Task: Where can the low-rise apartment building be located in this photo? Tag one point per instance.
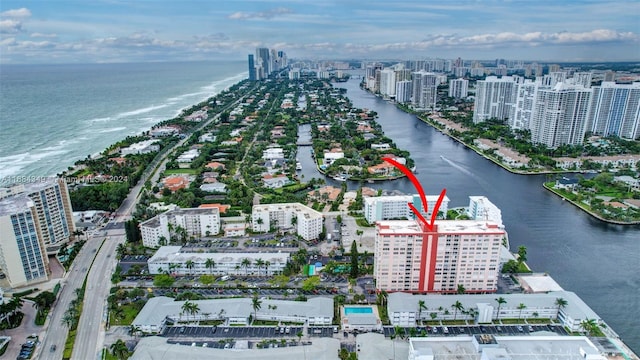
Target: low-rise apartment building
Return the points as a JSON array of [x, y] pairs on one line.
[[304, 220], [396, 207], [190, 222], [172, 260]]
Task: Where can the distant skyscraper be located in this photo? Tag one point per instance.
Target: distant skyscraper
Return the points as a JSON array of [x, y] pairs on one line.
[[388, 83], [403, 91], [458, 88], [560, 115], [263, 66], [494, 98], [525, 99], [252, 68], [615, 110], [425, 90]]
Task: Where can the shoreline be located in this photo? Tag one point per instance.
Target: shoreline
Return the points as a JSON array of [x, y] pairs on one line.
[[614, 222], [524, 173]]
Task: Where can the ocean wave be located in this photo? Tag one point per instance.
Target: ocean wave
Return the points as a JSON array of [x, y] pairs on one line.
[[96, 120], [141, 111], [104, 131], [16, 163]]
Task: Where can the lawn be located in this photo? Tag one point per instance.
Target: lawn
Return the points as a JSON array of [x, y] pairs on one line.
[[129, 313], [180, 171]]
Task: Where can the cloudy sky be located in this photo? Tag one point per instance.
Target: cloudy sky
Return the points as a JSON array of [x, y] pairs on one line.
[[65, 31]]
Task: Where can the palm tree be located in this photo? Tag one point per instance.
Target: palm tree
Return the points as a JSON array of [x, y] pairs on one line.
[[189, 265], [457, 306], [259, 262], [119, 349], [68, 319], [561, 303], [266, 267], [589, 326], [521, 307], [188, 307], [461, 289], [246, 262], [421, 306], [501, 301], [210, 264], [472, 313], [256, 304]]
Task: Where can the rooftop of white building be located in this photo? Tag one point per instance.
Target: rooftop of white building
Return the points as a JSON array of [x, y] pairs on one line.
[[158, 308], [15, 204], [505, 347], [389, 227], [576, 308], [155, 347], [174, 255]]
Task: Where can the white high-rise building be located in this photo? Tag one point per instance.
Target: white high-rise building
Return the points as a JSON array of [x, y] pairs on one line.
[[494, 98], [190, 222], [615, 110], [457, 252], [396, 207], [22, 250], [51, 200], [403, 91], [55, 215], [388, 83], [458, 88], [525, 98], [560, 115], [425, 90], [582, 78], [307, 222]]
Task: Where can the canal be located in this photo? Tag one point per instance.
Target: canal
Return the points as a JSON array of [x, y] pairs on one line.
[[598, 261]]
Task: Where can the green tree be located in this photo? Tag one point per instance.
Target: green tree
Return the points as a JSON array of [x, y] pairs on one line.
[[119, 350], [457, 306], [560, 303], [354, 260], [163, 280], [501, 301], [461, 289], [256, 304], [522, 254], [310, 283], [421, 306], [210, 264], [189, 265], [521, 307], [246, 262]]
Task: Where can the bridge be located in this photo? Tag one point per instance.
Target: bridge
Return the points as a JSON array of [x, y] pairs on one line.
[[304, 143]]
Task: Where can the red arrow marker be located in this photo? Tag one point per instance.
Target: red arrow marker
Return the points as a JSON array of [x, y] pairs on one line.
[[423, 198]]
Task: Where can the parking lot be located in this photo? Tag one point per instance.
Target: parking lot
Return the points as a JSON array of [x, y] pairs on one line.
[[234, 332], [480, 329]]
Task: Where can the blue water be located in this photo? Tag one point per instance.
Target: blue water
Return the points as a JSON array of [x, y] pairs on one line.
[[357, 310], [54, 115]]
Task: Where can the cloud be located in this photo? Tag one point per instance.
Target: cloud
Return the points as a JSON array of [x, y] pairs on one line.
[[16, 13], [10, 26], [265, 15], [40, 35]]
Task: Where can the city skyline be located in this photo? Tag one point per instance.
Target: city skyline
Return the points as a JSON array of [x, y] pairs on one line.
[[121, 31]]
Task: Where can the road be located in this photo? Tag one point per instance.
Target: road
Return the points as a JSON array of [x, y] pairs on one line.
[[91, 327]]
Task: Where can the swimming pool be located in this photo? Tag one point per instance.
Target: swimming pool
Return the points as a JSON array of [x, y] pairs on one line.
[[358, 310]]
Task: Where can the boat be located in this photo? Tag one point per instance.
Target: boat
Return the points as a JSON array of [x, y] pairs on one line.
[[339, 177]]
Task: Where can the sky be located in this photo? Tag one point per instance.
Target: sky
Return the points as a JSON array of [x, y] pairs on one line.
[[99, 31]]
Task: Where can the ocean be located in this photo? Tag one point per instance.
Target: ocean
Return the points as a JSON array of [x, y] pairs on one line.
[[53, 115]]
